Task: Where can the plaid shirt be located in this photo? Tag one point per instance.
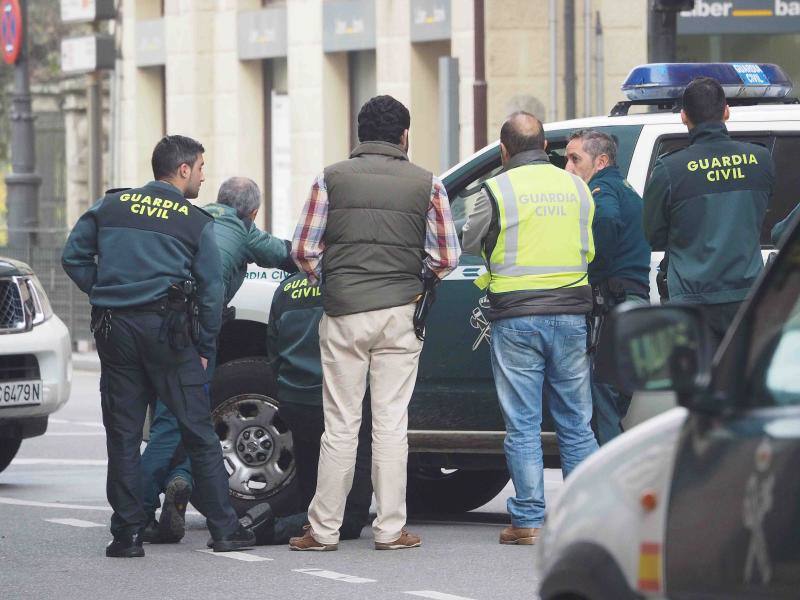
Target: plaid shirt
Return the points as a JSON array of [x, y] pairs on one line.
[[441, 240]]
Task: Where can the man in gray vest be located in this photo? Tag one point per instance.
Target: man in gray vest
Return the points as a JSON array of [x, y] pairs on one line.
[[372, 228]]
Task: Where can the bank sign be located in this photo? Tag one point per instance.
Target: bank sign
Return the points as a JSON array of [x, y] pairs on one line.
[[711, 17]]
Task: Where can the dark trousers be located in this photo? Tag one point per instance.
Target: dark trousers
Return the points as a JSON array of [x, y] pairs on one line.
[[136, 368], [719, 318], [307, 424]]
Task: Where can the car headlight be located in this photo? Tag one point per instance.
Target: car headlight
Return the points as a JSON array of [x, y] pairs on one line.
[[34, 299]]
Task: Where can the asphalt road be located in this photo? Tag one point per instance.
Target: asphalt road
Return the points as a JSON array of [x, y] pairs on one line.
[[54, 526]]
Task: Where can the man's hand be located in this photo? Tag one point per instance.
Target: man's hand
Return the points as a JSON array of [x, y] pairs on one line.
[[204, 362]]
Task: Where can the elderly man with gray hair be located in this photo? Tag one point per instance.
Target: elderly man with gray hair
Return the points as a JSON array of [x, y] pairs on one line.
[[165, 467], [240, 241], [620, 270]]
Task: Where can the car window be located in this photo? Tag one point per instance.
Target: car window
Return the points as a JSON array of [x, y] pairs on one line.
[[786, 194], [786, 154], [774, 375], [463, 186]]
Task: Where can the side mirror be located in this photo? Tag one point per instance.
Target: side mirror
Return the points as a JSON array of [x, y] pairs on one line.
[[656, 348]]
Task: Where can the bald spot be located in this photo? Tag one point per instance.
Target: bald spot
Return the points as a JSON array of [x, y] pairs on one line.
[[522, 132], [525, 125]]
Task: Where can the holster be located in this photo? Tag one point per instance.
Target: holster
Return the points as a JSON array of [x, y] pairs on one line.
[[181, 325], [605, 295], [424, 305]]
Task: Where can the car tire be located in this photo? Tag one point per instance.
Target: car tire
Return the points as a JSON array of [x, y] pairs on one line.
[[432, 490], [256, 443], [8, 450]]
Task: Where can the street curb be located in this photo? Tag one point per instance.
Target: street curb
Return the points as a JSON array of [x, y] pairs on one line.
[[86, 361]]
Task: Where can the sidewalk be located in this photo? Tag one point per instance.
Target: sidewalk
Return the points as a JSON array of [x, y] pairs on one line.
[[85, 361]]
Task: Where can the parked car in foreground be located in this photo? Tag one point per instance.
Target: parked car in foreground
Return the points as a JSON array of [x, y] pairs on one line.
[[702, 501]]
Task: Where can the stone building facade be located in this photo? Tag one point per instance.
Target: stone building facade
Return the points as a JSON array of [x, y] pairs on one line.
[[271, 88]]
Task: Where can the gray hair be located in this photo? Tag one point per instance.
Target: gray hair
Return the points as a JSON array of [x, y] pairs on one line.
[[240, 193], [596, 143]]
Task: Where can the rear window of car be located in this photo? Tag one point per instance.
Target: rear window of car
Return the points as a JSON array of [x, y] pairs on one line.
[[785, 149]]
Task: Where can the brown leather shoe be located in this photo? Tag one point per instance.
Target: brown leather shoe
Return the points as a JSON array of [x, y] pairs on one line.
[[307, 542], [406, 540], [523, 536]]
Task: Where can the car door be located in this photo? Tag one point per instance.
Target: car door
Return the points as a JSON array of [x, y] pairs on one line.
[[733, 524], [455, 388]]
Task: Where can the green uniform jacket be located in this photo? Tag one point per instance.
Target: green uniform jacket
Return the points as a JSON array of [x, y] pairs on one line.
[[293, 341], [783, 226], [240, 244], [704, 205], [129, 247], [620, 250]]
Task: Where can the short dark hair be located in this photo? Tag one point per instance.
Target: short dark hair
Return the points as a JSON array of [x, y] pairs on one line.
[[595, 143], [171, 152], [382, 119], [704, 101], [516, 139]]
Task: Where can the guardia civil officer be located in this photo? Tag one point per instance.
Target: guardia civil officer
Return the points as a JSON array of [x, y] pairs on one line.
[[294, 357], [620, 271], [138, 253], [165, 466], [532, 223], [704, 206]]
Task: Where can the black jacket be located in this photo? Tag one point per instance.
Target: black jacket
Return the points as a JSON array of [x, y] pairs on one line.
[[705, 205]]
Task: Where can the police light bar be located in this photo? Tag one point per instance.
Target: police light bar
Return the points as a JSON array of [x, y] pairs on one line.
[[665, 81]]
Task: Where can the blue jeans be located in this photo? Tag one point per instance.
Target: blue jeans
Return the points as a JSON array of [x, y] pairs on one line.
[[158, 467], [534, 356]]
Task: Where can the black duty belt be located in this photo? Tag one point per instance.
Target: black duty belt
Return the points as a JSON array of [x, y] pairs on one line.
[[159, 306]]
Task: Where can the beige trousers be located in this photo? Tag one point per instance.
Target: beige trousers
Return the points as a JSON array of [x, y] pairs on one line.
[[379, 345]]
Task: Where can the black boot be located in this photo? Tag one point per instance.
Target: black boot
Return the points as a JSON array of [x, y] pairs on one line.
[[260, 520], [150, 533], [172, 524], [238, 540], [125, 547]]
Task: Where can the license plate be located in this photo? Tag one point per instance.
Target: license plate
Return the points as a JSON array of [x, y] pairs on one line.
[[20, 393]]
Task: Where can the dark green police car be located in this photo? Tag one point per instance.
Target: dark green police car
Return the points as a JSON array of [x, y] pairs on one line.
[[455, 426]]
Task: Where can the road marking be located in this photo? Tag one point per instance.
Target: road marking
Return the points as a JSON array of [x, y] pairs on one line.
[[83, 423], [71, 462], [74, 522], [17, 502], [335, 575], [74, 433], [243, 556], [34, 503], [436, 595]]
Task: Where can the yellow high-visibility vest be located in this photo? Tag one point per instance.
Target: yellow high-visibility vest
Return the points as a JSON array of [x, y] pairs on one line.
[[545, 239]]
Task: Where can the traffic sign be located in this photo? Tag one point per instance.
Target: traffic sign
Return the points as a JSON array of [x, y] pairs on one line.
[[10, 30]]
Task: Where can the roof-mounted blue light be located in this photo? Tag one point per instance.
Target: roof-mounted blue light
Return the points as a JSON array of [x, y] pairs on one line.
[[739, 80]]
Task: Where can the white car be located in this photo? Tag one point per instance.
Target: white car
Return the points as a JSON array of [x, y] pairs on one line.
[[35, 358], [702, 501]]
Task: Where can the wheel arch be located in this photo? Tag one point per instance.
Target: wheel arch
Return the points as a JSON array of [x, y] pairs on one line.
[[586, 570], [241, 338]]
